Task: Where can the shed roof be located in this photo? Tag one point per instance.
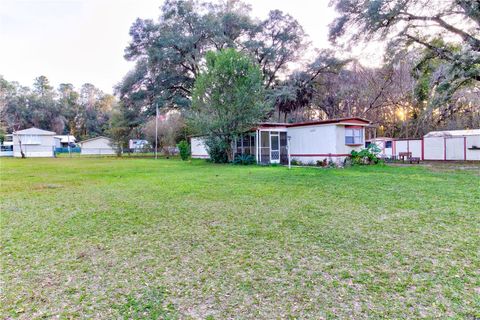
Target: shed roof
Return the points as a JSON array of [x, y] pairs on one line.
[[35, 131], [453, 133], [96, 138], [65, 138]]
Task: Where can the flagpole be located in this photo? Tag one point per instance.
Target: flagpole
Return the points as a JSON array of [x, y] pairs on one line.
[[156, 131]]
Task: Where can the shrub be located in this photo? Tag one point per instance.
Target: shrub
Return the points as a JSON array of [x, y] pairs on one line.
[[218, 149], [366, 156], [244, 159], [322, 163], [332, 164], [184, 149], [295, 162]]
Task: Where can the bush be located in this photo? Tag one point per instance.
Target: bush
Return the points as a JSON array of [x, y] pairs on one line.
[[366, 156], [218, 149], [184, 149], [322, 163], [295, 162], [244, 159]]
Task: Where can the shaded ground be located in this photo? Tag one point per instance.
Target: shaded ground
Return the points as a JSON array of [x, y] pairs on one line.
[[139, 238]]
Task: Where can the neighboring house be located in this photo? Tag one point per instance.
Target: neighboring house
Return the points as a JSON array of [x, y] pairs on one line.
[[309, 141], [138, 145], [33, 142], [63, 141], [6, 149], [97, 146]]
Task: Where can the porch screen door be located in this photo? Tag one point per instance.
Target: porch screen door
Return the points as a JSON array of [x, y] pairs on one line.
[[274, 147]]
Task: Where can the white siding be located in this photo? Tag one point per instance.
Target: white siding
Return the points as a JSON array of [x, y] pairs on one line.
[[43, 145], [413, 146], [434, 148], [319, 142], [312, 143], [198, 148], [455, 148], [473, 154], [99, 146]]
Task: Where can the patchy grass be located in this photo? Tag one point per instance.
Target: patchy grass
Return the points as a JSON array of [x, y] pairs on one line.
[[111, 238]]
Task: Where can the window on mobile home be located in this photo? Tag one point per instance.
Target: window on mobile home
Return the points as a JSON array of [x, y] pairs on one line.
[[353, 136]]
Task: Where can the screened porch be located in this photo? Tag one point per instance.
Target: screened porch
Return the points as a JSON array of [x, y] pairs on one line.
[[272, 146]]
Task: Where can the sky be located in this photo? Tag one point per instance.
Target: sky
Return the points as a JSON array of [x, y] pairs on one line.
[[80, 41]]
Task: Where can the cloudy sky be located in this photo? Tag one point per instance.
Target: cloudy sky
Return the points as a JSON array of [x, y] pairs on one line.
[[80, 41]]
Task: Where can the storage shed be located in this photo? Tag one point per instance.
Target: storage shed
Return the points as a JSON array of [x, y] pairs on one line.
[[33, 142], [198, 148], [452, 145], [97, 146]]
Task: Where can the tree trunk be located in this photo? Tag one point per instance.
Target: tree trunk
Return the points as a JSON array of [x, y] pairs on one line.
[[21, 151]]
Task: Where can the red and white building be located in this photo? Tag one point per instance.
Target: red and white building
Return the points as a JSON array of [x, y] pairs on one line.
[[308, 141], [449, 145]]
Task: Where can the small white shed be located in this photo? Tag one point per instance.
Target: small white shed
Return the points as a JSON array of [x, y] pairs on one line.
[[198, 148], [452, 145], [33, 142], [97, 146]]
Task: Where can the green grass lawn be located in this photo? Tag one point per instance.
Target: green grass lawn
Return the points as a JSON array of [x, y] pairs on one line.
[[138, 238]]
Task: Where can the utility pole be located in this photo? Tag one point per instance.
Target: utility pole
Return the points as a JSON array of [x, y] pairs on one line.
[[288, 148], [156, 131]]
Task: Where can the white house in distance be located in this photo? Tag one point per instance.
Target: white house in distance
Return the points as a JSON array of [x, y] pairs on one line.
[[309, 141], [62, 141], [138, 145], [6, 149], [33, 142], [97, 146]]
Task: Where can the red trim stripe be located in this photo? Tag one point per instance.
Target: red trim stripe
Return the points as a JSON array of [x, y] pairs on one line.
[[321, 155], [423, 150], [444, 148]]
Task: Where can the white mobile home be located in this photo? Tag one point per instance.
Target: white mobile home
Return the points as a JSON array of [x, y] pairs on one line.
[[97, 146], [384, 144], [309, 141], [33, 142]]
